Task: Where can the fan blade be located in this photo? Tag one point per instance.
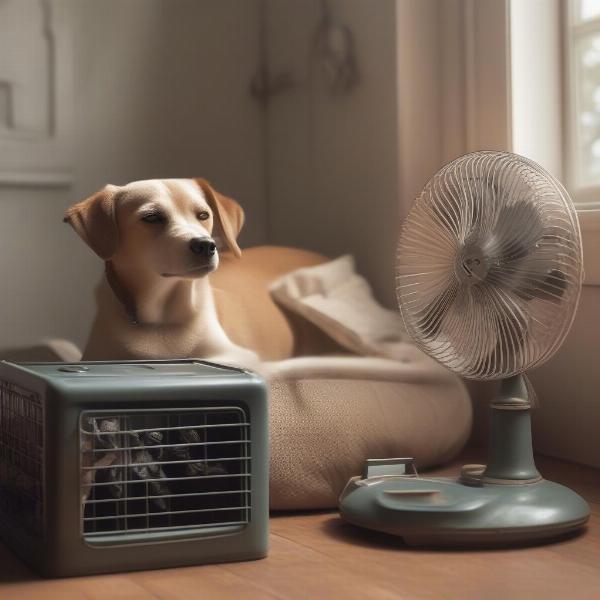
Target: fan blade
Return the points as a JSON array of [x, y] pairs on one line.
[[429, 319]]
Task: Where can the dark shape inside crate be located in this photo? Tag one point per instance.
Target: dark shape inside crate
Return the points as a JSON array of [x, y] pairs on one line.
[[161, 471]]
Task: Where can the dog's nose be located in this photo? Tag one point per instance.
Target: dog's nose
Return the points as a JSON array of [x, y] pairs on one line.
[[203, 246]]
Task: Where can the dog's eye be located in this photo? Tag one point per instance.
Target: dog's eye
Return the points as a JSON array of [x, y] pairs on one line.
[[203, 215], [155, 218]]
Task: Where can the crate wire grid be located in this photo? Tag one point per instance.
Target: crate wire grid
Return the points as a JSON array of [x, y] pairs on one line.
[[22, 489], [164, 470]]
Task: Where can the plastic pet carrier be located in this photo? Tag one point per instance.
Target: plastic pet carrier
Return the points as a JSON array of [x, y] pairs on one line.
[[108, 466]]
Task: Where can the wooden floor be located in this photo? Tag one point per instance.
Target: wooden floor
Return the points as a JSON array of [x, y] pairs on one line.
[[315, 555]]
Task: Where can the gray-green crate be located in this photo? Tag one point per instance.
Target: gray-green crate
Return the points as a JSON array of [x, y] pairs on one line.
[[114, 466]]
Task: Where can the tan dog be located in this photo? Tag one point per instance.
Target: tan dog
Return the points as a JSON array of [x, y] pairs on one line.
[[156, 238]]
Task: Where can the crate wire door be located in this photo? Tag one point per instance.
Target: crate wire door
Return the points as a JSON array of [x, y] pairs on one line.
[[145, 471]]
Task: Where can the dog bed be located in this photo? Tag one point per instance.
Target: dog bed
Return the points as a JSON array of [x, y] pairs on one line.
[[329, 414]]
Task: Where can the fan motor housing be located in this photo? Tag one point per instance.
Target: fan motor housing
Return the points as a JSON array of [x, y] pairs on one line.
[[114, 466], [472, 265]]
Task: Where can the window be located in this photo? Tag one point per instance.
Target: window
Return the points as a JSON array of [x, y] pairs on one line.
[[582, 45]]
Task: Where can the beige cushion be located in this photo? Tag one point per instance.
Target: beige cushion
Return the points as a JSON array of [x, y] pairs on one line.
[[248, 313], [49, 350], [339, 301], [330, 414]]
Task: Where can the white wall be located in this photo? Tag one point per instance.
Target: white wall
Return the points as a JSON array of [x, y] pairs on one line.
[[161, 91], [342, 169]]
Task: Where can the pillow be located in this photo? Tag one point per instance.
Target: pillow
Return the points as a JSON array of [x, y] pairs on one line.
[[340, 302]]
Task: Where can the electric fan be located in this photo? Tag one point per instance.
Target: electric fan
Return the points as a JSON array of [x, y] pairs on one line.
[[489, 274]]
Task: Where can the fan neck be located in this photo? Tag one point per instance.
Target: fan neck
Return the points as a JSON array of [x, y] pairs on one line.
[[513, 394], [510, 453]]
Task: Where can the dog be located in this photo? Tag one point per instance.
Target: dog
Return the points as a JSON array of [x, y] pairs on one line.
[[160, 239]]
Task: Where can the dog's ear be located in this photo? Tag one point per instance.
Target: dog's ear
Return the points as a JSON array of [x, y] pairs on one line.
[[94, 220], [229, 215]]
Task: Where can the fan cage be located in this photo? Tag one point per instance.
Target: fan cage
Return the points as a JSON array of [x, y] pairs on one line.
[[22, 488], [162, 471], [489, 265]]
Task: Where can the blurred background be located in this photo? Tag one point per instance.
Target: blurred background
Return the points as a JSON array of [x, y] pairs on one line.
[[323, 118]]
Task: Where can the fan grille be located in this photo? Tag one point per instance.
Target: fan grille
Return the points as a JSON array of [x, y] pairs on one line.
[[489, 265]]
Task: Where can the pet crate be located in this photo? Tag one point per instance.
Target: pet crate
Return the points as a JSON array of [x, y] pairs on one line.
[[113, 466]]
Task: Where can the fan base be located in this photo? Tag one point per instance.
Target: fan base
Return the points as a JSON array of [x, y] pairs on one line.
[[447, 512]]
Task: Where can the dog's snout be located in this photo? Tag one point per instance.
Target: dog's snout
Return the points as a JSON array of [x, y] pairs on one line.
[[203, 247]]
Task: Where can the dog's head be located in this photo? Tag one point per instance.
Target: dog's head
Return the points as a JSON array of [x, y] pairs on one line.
[[162, 227]]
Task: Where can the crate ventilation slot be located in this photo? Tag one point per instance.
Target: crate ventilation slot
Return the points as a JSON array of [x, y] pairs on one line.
[[21, 459], [164, 471]]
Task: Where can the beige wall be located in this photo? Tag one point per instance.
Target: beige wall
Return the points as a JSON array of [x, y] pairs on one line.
[[333, 183], [161, 91], [342, 169]]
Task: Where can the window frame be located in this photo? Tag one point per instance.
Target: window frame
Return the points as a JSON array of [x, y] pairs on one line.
[[482, 69], [586, 197]]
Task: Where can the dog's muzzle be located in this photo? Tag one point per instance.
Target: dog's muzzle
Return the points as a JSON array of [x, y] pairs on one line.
[[203, 247], [205, 259]]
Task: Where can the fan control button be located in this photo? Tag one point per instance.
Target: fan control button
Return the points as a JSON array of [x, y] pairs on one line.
[[74, 369]]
